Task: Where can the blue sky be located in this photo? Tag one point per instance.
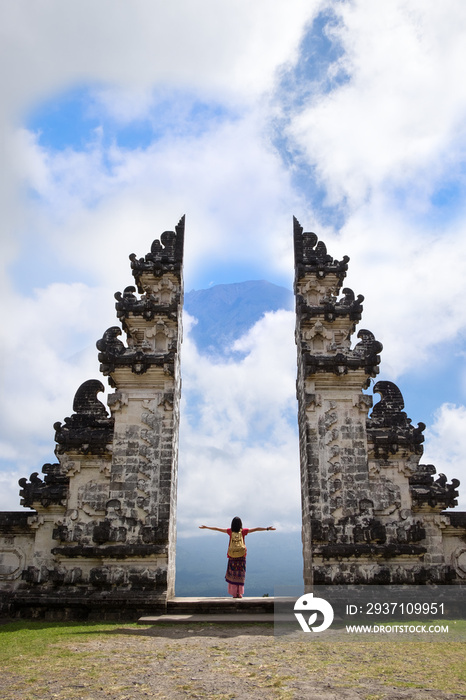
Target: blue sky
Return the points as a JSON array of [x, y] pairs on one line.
[[120, 117]]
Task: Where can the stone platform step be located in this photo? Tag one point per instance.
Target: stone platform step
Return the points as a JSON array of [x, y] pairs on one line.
[[230, 618], [221, 606], [219, 610]]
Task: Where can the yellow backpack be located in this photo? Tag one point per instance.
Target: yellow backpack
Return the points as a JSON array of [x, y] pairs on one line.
[[237, 547]]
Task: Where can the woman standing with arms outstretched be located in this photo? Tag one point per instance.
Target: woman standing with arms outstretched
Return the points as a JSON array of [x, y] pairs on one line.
[[236, 569]]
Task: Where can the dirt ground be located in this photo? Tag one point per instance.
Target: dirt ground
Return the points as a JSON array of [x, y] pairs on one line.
[[224, 662]]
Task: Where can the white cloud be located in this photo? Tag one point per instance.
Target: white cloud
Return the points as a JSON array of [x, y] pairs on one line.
[[9, 489], [229, 47], [384, 143], [412, 281], [446, 446], [48, 352], [92, 203], [221, 51], [399, 118]]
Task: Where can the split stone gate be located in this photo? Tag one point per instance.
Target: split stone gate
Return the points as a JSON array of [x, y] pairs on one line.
[[100, 541]]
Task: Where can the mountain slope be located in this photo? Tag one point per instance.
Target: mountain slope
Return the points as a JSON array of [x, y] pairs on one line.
[[226, 311]]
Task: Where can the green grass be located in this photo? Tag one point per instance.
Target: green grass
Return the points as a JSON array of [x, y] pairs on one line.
[[429, 661], [101, 660], [25, 640], [56, 660]]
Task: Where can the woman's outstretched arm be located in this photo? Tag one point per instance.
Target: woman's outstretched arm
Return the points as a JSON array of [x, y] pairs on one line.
[[261, 529], [217, 529]]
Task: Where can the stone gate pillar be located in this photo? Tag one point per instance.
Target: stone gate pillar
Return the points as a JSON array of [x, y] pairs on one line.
[[332, 408], [101, 541], [371, 513], [145, 408]]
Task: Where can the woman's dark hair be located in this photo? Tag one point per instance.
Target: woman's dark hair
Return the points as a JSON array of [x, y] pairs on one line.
[[236, 524]]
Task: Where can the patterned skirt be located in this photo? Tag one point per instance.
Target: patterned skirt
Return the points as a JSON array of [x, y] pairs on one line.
[[236, 571]]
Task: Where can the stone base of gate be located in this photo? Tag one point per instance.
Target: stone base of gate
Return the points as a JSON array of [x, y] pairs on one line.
[[214, 610], [50, 607]]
